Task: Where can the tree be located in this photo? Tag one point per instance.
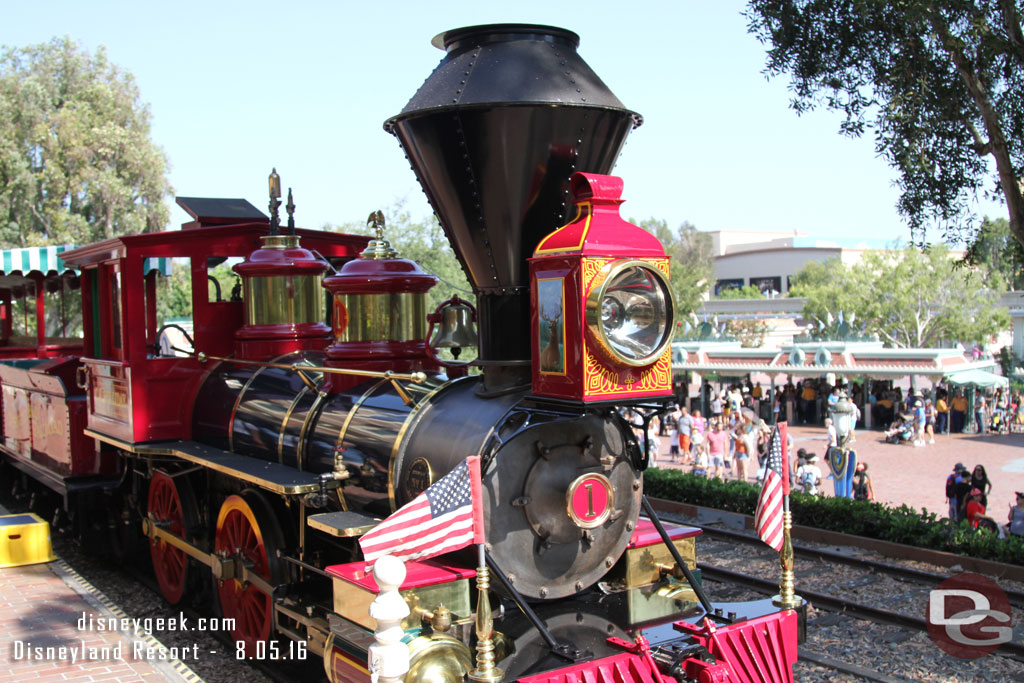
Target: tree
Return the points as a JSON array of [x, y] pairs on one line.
[[996, 250], [76, 160], [690, 262], [940, 82], [927, 298], [751, 332]]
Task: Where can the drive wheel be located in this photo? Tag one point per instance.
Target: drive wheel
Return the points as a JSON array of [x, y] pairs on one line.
[[172, 506], [248, 531]]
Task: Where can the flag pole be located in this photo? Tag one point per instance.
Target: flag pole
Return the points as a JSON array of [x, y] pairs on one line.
[[485, 671], [787, 598]]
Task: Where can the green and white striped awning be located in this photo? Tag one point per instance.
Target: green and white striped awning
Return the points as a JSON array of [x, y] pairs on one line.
[[47, 259]]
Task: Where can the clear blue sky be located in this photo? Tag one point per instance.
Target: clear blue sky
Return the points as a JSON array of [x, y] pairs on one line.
[[238, 87]]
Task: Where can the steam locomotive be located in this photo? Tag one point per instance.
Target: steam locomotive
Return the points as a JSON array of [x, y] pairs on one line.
[[251, 453]]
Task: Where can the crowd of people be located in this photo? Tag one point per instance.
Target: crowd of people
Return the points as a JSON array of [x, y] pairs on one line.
[[916, 418], [733, 442], [967, 493]]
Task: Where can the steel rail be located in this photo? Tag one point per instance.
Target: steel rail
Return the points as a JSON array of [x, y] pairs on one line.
[[845, 667], [918, 575], [832, 603]]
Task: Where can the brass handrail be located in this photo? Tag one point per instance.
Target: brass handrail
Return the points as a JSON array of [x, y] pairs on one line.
[[415, 377], [393, 377]]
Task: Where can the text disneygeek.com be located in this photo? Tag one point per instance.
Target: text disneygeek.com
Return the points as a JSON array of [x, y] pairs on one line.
[[76, 651]]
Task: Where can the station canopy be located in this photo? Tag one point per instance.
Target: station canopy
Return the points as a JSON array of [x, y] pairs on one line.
[[978, 378], [18, 263], [851, 359]]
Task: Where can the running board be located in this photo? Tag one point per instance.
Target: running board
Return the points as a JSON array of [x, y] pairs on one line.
[[270, 476]]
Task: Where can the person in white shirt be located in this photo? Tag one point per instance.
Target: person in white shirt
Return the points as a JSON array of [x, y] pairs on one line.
[[808, 476], [832, 434]]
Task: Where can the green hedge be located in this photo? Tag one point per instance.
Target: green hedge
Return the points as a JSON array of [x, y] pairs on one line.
[[861, 518]]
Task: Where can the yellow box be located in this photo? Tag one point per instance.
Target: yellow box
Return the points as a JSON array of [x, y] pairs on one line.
[[24, 539]]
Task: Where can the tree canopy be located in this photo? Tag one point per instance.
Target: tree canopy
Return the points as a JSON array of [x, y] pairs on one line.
[[995, 249], [76, 161], [939, 82], [927, 298], [690, 261]]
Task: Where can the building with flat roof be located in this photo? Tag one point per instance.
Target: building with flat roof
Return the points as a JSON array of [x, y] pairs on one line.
[[769, 260]]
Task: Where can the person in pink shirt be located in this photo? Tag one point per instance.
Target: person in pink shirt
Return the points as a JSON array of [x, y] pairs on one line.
[[697, 433], [718, 443]]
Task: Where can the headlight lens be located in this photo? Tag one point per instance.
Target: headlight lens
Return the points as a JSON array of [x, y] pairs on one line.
[[631, 313]]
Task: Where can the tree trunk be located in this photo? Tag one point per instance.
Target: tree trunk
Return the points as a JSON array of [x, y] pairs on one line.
[[996, 145]]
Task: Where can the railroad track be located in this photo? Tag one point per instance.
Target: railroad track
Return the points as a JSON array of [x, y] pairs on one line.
[[897, 571], [826, 598], [835, 604]]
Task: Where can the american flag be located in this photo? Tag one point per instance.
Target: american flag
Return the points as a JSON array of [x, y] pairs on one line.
[[768, 518], [447, 516]]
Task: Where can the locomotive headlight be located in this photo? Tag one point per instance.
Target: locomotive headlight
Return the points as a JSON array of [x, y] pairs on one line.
[[630, 314]]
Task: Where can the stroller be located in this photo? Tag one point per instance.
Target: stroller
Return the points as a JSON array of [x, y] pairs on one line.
[[901, 430]]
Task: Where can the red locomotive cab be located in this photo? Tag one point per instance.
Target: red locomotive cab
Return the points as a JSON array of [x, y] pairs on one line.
[[602, 306], [143, 368]]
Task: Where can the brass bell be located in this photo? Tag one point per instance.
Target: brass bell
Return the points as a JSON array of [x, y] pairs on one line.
[[456, 327]]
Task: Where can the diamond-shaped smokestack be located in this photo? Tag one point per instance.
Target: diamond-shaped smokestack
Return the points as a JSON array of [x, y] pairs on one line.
[[494, 135]]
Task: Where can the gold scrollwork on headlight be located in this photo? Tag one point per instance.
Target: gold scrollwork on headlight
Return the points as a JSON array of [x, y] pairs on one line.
[[595, 302]]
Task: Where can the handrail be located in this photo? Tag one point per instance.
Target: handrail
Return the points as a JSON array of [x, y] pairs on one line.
[[389, 375]]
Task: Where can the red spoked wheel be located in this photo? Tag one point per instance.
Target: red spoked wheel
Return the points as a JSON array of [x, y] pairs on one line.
[[172, 506], [248, 531]]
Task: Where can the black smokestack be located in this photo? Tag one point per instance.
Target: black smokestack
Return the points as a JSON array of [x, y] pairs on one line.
[[493, 135]]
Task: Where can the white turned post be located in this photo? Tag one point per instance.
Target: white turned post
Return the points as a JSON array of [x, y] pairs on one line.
[[389, 657]]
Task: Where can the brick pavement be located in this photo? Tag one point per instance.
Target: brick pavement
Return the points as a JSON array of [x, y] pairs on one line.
[[41, 606], [917, 476]]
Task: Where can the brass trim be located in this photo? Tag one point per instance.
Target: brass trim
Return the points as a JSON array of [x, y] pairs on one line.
[[400, 437], [302, 535], [294, 367], [391, 316], [564, 351], [334, 531], [158, 449], [592, 311], [415, 377], [314, 412], [279, 241], [154, 532], [352, 413], [601, 518], [234, 409], [284, 425], [283, 299]]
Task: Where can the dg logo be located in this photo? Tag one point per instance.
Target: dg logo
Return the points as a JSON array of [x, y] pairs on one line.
[[969, 616]]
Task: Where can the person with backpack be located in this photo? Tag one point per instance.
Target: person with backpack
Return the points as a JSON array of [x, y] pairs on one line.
[[952, 481], [808, 476], [862, 488], [962, 489]]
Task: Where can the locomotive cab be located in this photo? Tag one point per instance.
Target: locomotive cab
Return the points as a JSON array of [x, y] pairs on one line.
[[141, 372]]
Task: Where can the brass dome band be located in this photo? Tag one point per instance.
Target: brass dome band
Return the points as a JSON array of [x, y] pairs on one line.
[[283, 299], [391, 316]]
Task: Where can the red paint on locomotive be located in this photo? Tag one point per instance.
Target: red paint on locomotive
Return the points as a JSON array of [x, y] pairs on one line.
[[264, 468]]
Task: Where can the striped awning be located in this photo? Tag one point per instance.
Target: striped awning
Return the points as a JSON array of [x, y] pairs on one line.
[[47, 260]]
